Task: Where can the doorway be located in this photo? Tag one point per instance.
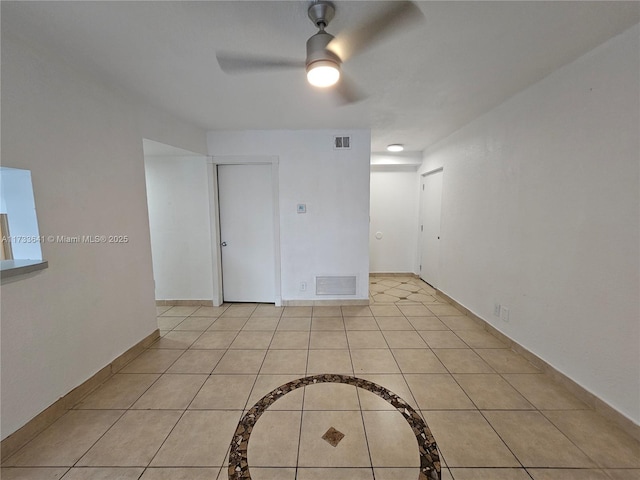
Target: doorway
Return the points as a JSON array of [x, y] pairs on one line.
[[430, 213], [247, 237]]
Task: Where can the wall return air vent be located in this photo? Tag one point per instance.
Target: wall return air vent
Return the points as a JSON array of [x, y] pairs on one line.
[[342, 143], [336, 285]]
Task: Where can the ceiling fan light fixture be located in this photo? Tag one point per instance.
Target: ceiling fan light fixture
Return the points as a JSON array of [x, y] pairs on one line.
[[395, 147], [323, 73]]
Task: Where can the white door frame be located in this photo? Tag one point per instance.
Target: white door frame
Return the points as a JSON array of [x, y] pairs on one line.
[[214, 211], [420, 221]]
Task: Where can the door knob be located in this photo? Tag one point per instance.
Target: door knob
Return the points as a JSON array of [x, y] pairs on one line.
[[223, 244]]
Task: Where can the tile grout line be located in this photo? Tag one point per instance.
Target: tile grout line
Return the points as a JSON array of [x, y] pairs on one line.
[[489, 423], [124, 411], [477, 409], [481, 411], [442, 457], [468, 397], [364, 428], [304, 391], [415, 401], [246, 404], [366, 437], [185, 410], [225, 460], [403, 373], [405, 379]]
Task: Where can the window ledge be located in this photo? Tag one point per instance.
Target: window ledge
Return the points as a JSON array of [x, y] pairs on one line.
[[13, 268]]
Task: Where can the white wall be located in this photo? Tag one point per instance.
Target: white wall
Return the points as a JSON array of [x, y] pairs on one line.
[[179, 220], [83, 145], [540, 212], [332, 237], [394, 214]]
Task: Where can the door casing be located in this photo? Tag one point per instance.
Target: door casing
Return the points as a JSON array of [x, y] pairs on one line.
[[430, 219], [215, 219]]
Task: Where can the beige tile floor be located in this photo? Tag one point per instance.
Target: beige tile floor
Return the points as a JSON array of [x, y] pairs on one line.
[[171, 412]]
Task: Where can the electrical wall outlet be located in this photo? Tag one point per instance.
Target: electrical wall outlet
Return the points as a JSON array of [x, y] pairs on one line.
[[303, 286], [504, 313], [496, 310]]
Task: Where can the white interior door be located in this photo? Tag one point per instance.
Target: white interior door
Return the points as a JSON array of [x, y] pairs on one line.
[[245, 194], [430, 211]]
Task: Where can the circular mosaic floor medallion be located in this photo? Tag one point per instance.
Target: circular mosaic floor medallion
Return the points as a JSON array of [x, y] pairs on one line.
[[429, 459]]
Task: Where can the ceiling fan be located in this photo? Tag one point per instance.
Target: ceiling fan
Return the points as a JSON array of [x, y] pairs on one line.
[[326, 53]]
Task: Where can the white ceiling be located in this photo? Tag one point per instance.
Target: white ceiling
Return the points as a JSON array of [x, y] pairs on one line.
[[423, 83]]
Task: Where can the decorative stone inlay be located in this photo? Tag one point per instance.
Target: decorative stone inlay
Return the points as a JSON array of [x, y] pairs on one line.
[[333, 437], [429, 459]]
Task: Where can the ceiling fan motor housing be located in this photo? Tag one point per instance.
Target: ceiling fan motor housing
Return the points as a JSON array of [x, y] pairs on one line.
[[317, 49], [321, 12], [323, 66]]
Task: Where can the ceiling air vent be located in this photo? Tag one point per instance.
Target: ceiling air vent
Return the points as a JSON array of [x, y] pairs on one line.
[[342, 143]]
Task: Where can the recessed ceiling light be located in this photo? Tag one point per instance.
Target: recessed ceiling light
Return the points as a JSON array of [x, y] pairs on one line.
[[395, 147]]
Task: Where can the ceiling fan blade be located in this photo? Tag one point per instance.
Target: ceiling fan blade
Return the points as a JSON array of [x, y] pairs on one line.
[[400, 16], [346, 91], [238, 63]]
